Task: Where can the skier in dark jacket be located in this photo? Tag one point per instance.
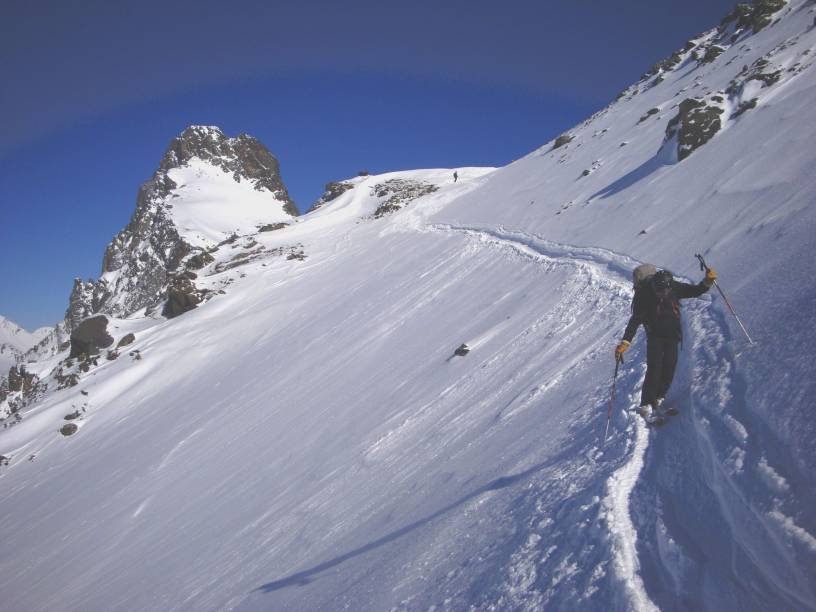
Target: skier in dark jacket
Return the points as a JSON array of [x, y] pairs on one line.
[[656, 305]]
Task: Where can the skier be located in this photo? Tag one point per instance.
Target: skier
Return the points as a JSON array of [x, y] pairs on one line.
[[455, 176], [656, 305]]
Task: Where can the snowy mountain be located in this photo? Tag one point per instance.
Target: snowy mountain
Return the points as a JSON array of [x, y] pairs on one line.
[[15, 341], [208, 187], [306, 438]]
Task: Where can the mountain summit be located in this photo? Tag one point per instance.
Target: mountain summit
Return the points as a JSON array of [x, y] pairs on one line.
[[207, 187]]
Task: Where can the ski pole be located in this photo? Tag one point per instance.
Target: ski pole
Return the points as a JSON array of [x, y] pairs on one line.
[[705, 267], [618, 361]]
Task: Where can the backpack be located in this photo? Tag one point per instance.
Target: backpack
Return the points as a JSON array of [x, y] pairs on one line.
[[642, 273], [646, 297]]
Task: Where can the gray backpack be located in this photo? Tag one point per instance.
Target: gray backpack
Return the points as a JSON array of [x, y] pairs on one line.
[[642, 273]]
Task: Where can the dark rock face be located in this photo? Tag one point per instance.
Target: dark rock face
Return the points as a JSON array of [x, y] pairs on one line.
[[562, 140], [90, 337], [332, 191], [696, 123], [182, 296]]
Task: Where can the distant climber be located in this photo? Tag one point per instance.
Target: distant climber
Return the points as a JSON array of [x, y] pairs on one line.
[[455, 176], [656, 305]]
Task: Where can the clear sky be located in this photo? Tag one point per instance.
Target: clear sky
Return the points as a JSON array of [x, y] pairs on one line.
[[92, 92]]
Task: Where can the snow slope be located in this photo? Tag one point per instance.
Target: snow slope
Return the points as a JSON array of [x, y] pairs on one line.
[[306, 440], [207, 203], [14, 341]]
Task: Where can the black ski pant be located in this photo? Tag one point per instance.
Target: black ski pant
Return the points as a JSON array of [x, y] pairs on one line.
[[661, 360]]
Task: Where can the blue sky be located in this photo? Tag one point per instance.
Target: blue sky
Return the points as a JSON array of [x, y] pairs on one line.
[[94, 91]]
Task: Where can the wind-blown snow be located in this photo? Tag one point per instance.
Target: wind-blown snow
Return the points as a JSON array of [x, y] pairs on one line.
[[308, 441]]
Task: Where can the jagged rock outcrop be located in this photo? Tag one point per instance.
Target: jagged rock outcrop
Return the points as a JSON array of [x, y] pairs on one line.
[[182, 297], [90, 337], [142, 259], [696, 122], [244, 156], [86, 299]]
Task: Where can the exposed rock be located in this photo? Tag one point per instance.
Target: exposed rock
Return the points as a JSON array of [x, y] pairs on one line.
[[332, 191], [744, 106], [711, 53], [69, 429], [761, 70], [649, 113], [272, 227], [182, 296], [239, 260], [463, 350], [126, 340], [244, 156], [755, 16], [86, 299], [694, 125], [90, 337], [198, 261], [399, 193], [141, 260], [66, 380], [562, 140]]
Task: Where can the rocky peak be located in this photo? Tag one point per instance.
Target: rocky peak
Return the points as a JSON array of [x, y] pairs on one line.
[[244, 156], [141, 261]]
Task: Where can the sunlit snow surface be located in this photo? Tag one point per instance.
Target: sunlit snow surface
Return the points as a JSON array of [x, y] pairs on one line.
[[207, 204], [308, 441]]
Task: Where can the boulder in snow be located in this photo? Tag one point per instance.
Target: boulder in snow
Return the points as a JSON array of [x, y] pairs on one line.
[[182, 297], [90, 337]]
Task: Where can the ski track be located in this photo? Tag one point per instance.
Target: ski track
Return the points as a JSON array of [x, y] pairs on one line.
[[724, 439], [613, 268]]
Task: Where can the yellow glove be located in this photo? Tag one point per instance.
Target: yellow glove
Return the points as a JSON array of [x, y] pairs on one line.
[[621, 349], [710, 277]]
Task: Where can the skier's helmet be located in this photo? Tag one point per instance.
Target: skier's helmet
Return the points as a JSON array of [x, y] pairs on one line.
[[661, 282]]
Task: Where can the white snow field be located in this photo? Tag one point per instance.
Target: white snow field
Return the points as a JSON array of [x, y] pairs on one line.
[[307, 440], [14, 341]]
